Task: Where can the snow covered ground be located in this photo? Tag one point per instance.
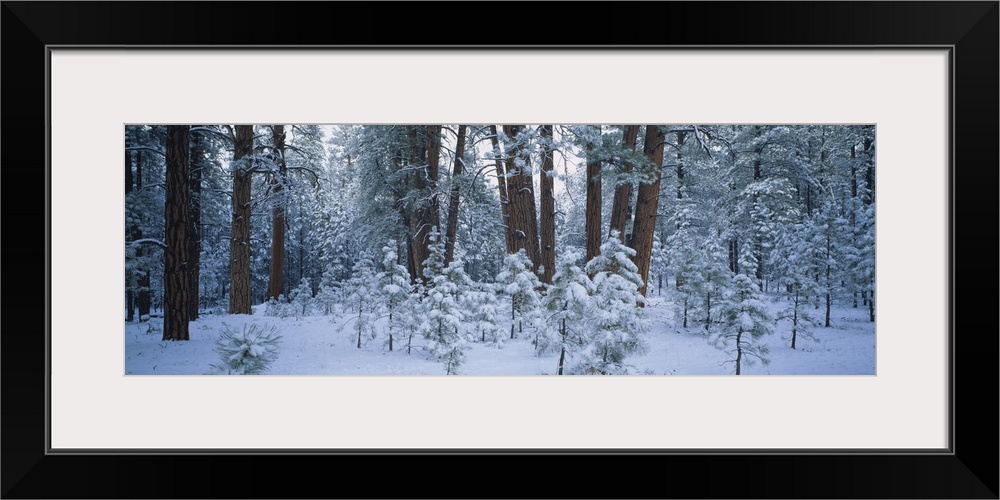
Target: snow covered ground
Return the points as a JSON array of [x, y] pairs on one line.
[[316, 345]]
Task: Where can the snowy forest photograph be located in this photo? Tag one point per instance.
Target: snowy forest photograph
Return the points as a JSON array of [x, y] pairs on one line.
[[518, 250]]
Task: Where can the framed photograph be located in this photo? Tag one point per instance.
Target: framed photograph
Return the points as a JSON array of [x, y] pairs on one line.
[[919, 78]]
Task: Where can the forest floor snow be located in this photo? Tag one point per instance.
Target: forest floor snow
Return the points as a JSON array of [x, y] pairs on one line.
[[326, 345]]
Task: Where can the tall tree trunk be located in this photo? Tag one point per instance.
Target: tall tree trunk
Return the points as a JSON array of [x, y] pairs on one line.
[[593, 212], [508, 232], [869, 171], [433, 165], [647, 201], [623, 192], [129, 293], [758, 245], [142, 299], [198, 165], [854, 185], [829, 286], [547, 204], [239, 243], [177, 224], [453, 200], [520, 188], [275, 277], [423, 217]]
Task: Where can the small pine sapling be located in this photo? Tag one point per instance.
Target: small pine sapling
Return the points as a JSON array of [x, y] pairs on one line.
[[521, 285], [362, 292], [790, 262], [442, 303], [744, 321], [395, 290], [483, 310], [620, 325], [301, 297], [567, 305]]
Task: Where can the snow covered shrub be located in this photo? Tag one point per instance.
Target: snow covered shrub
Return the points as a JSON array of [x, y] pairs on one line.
[[790, 261], [279, 308], [619, 324], [327, 297], [362, 294], [443, 329], [394, 290], [566, 305], [483, 309], [744, 322], [521, 285], [249, 351], [301, 297]]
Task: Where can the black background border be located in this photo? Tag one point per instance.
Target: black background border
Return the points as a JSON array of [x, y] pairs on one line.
[[970, 472]]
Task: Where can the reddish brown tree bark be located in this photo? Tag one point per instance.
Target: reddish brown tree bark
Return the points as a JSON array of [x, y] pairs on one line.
[[593, 211], [177, 224], [508, 233], [275, 278], [239, 243], [622, 203], [424, 215], [647, 201], [453, 200], [520, 188]]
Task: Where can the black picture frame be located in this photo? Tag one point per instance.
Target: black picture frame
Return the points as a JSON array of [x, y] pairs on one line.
[[968, 470]]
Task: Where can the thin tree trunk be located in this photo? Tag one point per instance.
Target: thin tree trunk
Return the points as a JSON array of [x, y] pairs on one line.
[[275, 276], [453, 200], [869, 171], [739, 350], [502, 189], [197, 164], [623, 192], [177, 224], [593, 211], [647, 200], [828, 285], [129, 293], [548, 207], [142, 300], [758, 248], [239, 243], [562, 350], [795, 316], [871, 306]]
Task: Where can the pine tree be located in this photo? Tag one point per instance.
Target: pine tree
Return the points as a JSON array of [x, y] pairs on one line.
[[362, 292], [791, 265], [712, 280], [395, 290], [744, 321], [302, 297], [618, 320], [521, 284], [567, 305], [483, 310], [445, 285]]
